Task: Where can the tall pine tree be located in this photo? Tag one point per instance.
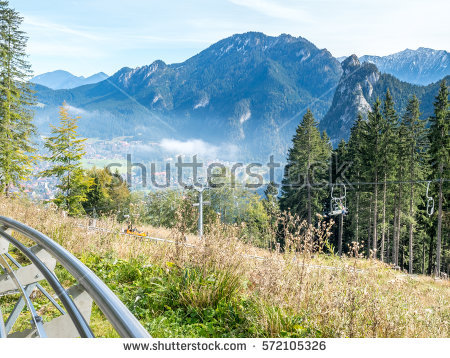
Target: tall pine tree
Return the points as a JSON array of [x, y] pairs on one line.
[[414, 143], [341, 157], [306, 167], [355, 154], [389, 140], [440, 156], [66, 151], [373, 139], [16, 99]]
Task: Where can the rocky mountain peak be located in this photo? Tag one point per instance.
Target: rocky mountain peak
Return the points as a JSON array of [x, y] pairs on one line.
[[350, 64], [352, 96]]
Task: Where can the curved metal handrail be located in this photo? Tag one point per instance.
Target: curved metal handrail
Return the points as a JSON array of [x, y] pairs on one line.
[[115, 311], [76, 316]]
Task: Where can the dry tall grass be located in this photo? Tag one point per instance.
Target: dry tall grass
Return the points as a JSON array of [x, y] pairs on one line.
[[356, 298]]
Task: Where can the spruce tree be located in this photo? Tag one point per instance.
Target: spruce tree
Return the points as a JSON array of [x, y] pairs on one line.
[[66, 151], [389, 140], [414, 142], [373, 139], [440, 156], [355, 153], [16, 99], [306, 167], [401, 155], [341, 157]]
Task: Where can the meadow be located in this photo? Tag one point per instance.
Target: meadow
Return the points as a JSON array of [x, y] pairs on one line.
[[223, 287]]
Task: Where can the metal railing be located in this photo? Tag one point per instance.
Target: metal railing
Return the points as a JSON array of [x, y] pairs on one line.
[[25, 279]]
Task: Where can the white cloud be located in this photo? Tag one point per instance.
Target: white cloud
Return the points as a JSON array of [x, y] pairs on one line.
[[202, 103], [272, 9], [84, 114], [245, 116], [43, 24], [198, 147]]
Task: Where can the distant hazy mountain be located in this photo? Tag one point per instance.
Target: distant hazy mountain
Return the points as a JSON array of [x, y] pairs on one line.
[[65, 80], [422, 66], [249, 89], [359, 86]]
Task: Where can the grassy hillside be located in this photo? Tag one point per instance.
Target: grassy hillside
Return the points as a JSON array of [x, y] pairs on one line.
[[219, 289]]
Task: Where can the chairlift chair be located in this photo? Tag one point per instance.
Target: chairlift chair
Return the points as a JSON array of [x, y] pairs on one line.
[[338, 203]]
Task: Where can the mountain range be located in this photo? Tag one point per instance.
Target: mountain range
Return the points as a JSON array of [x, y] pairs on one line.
[[360, 85], [249, 90], [60, 79], [422, 66]]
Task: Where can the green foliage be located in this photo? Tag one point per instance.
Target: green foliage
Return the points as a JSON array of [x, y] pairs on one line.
[[66, 151], [194, 301], [372, 135], [307, 166], [414, 140], [390, 152], [390, 137], [162, 207], [439, 136], [233, 206], [257, 228], [439, 133], [16, 99], [271, 205], [107, 194]]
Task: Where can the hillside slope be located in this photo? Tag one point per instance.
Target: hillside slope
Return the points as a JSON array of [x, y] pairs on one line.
[[222, 291]]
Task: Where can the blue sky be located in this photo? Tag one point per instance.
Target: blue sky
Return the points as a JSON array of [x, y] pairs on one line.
[[85, 37]]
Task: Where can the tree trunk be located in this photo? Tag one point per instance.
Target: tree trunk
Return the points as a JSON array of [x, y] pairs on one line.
[[423, 257], [369, 229], [357, 215], [399, 225], [411, 229], [308, 189], [341, 229], [402, 257], [439, 228], [307, 177], [383, 229], [375, 217], [309, 203], [387, 244], [394, 232], [430, 256]]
